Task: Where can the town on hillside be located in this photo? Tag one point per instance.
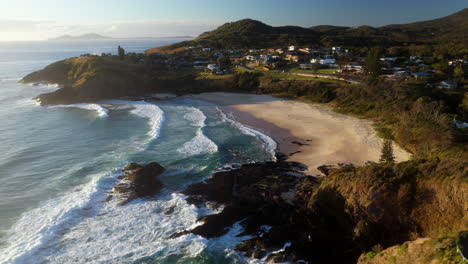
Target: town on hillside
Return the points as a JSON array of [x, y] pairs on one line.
[[347, 64]]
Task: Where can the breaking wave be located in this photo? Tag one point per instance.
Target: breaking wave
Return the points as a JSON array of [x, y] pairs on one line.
[[200, 144], [100, 111], [269, 144]]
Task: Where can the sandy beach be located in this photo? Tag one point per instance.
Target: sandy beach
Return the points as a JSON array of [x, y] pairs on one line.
[[312, 134]]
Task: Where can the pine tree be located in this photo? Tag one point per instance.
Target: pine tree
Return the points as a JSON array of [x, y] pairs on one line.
[[372, 65], [386, 155]]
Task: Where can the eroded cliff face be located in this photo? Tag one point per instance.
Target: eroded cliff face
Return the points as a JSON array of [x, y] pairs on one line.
[[382, 206], [351, 212]]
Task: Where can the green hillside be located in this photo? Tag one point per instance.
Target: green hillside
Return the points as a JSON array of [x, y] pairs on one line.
[[249, 33]]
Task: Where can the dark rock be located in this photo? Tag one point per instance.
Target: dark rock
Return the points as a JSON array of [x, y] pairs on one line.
[[299, 143], [280, 156], [295, 152], [170, 210], [139, 181], [326, 169], [462, 244]]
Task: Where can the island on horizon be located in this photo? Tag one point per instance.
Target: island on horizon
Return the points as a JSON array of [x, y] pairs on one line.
[[95, 36]]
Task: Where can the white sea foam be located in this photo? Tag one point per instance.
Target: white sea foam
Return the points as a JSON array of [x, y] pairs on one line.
[[100, 111], [200, 144], [152, 112], [269, 144], [45, 86], [33, 233], [79, 228]]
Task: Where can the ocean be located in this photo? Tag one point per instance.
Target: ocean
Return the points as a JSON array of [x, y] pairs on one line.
[[59, 163]]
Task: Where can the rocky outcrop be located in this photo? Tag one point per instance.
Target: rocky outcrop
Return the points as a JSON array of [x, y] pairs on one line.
[[138, 181], [352, 211], [268, 201]]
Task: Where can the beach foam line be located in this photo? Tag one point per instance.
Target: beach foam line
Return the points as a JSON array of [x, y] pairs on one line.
[[152, 112], [269, 143], [100, 111]]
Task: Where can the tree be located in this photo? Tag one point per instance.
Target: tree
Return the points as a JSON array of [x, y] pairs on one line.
[[121, 53], [224, 62], [372, 65], [315, 68], [386, 155], [459, 73], [444, 67]]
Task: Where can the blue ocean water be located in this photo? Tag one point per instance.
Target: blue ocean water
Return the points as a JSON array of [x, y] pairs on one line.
[[59, 163]]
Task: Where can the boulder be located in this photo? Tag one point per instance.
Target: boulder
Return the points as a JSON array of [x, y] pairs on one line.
[[139, 181]]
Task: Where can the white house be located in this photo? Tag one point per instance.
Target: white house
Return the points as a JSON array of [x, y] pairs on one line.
[[447, 84], [389, 59], [327, 61], [292, 48], [337, 49], [213, 67]]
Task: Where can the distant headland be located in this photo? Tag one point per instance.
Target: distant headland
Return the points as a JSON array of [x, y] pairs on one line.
[[94, 36]]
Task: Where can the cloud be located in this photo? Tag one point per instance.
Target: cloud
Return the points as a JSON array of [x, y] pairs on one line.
[[39, 30]]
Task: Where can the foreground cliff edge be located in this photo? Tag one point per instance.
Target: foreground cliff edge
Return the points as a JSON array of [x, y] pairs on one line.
[[353, 214]]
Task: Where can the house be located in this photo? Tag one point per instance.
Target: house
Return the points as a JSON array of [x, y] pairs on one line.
[[315, 60], [419, 75], [279, 51], [389, 59], [447, 84], [252, 57], [200, 64], [292, 48], [350, 69], [213, 68], [338, 49], [266, 58], [206, 49]]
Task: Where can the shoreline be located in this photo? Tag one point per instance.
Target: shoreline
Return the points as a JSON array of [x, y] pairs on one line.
[[310, 134]]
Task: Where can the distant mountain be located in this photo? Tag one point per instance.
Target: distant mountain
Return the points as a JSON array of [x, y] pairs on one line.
[[249, 33], [90, 36]]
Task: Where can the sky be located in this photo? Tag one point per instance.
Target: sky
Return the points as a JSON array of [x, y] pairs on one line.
[[44, 19]]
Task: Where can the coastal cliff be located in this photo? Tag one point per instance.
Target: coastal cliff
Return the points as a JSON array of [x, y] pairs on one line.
[[351, 212], [93, 78]]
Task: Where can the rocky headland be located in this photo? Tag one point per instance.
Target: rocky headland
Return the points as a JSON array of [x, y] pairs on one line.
[[348, 216]]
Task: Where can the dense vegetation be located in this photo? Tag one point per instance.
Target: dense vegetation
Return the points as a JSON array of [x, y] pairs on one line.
[[248, 33]]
